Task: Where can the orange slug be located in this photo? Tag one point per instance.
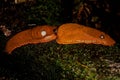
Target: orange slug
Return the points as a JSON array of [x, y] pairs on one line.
[[72, 33], [69, 33], [39, 34]]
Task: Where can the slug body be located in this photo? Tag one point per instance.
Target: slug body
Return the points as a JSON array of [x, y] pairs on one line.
[[39, 34], [72, 33], [69, 33]]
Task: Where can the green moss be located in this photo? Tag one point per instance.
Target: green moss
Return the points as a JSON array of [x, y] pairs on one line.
[[45, 12], [52, 61]]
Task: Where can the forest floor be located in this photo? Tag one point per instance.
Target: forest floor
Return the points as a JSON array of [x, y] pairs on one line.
[[52, 61]]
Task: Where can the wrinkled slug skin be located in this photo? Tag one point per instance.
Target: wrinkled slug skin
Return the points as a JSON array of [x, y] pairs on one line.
[[72, 33], [30, 36]]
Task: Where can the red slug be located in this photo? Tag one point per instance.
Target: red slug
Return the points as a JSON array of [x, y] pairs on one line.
[[69, 33], [39, 34], [72, 33]]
